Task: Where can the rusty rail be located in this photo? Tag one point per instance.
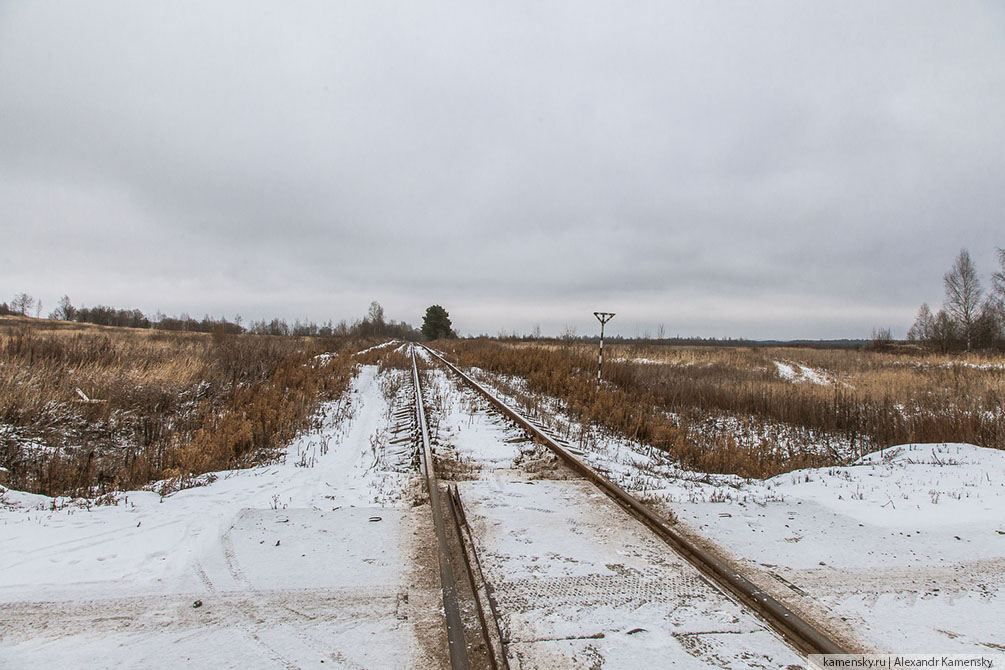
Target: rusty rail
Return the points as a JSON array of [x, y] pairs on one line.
[[487, 616], [455, 627]]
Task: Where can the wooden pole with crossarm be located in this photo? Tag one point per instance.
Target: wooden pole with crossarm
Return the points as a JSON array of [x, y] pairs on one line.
[[602, 317]]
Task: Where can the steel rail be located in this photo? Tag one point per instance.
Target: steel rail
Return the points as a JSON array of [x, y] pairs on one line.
[[455, 627], [797, 631], [488, 617]]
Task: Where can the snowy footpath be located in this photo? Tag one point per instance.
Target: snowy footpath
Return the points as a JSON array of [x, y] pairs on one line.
[[319, 559]]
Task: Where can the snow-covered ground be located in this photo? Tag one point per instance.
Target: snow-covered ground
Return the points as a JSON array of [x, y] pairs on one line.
[[902, 552], [322, 557], [578, 582], [317, 559], [906, 547]]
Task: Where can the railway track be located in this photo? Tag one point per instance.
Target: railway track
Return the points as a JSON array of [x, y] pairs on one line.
[[475, 643], [800, 634]]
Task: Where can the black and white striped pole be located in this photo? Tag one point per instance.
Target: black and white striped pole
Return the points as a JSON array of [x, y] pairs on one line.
[[602, 317]]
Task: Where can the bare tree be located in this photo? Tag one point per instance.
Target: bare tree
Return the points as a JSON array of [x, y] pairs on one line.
[[963, 295], [998, 286], [375, 314], [944, 331], [924, 325], [22, 304], [882, 336], [65, 311], [998, 278]]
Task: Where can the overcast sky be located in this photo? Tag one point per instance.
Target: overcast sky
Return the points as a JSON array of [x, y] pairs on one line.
[[755, 169]]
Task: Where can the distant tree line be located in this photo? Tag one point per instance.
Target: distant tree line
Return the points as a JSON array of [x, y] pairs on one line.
[[373, 324], [971, 317], [679, 341]]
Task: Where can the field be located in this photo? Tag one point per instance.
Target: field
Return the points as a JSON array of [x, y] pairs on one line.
[[86, 410], [757, 412], [259, 499]]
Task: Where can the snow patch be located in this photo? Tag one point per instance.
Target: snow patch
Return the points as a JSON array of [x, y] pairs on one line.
[[377, 346], [797, 373]]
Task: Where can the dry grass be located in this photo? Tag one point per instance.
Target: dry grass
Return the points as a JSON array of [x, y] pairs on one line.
[[168, 405], [721, 409]]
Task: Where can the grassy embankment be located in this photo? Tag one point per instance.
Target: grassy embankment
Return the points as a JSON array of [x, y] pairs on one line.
[[165, 406], [730, 410]]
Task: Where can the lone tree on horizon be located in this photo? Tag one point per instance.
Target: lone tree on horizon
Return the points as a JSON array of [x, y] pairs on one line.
[[436, 323], [22, 304], [963, 295]]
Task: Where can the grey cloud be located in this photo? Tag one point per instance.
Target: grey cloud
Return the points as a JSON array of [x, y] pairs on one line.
[[524, 162]]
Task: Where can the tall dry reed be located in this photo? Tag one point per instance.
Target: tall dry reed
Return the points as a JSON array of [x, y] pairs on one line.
[[163, 405], [732, 410]]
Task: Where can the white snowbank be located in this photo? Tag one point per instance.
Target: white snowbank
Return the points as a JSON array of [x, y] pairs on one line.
[[907, 545], [913, 485]]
